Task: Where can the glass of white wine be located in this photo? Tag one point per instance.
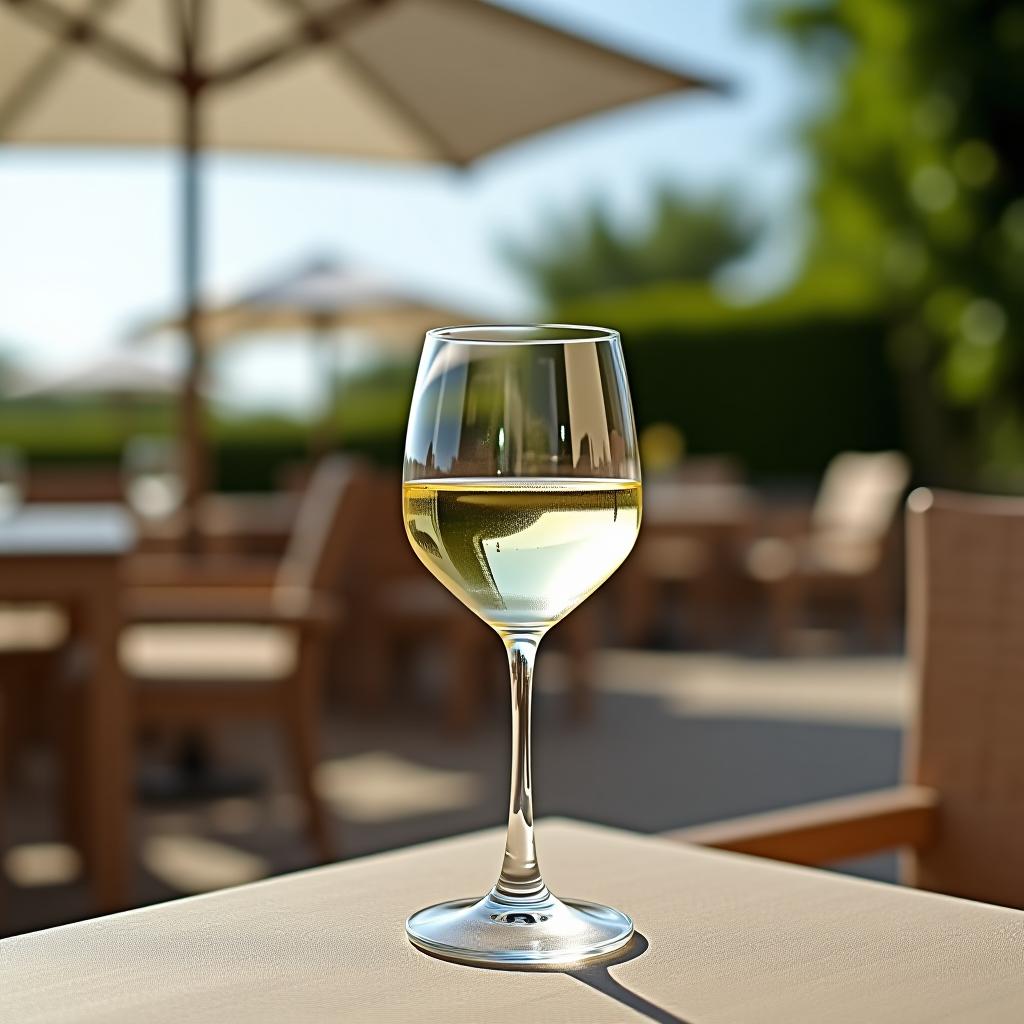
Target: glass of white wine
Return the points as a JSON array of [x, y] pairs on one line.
[[522, 495]]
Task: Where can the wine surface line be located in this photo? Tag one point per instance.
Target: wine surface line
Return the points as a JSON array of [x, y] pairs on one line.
[[522, 552]]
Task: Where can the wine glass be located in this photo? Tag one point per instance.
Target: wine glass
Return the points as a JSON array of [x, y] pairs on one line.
[[521, 494], [152, 477]]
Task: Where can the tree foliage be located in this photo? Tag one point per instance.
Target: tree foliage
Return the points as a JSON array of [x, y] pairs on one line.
[[683, 240], [919, 194]]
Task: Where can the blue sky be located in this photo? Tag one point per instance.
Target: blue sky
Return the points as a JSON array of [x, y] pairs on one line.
[[88, 240]]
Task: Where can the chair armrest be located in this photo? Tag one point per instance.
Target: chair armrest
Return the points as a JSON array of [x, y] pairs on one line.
[[256, 606], [829, 830], [209, 571]]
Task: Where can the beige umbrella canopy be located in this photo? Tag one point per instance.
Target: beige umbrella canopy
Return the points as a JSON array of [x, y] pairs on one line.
[[319, 296], [440, 80], [118, 375]]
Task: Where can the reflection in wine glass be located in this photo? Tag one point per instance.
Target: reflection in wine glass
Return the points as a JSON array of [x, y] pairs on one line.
[[522, 496]]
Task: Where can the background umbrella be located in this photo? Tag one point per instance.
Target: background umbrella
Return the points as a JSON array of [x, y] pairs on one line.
[[441, 80], [116, 375], [319, 298], [321, 294]]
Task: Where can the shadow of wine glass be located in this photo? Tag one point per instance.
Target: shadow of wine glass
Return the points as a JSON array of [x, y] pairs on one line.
[[598, 977]]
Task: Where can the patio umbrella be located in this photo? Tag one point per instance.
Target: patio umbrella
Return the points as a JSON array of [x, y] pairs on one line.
[[436, 80], [320, 295], [117, 376], [318, 298]]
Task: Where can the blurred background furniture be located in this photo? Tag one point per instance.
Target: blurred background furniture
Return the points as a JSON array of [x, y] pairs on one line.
[[71, 556], [845, 546], [256, 524], [693, 521], [73, 483], [32, 641], [208, 643], [238, 523], [961, 814]]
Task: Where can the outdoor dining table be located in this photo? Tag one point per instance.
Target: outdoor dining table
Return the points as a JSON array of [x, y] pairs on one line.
[[720, 938], [70, 555]]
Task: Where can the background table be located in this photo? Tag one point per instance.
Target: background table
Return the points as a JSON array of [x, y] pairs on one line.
[[71, 555], [680, 505], [237, 524], [724, 938]]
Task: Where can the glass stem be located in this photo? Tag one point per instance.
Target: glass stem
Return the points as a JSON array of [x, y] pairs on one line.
[[520, 875]]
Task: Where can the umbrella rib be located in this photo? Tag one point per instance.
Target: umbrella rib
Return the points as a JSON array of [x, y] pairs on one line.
[[184, 18], [402, 109], [36, 79], [434, 139], [82, 31], [313, 30]]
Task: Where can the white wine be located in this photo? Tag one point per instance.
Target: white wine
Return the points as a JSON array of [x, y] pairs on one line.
[[522, 553]]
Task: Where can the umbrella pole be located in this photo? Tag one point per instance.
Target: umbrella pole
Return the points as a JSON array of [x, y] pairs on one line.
[[326, 354], [193, 437]]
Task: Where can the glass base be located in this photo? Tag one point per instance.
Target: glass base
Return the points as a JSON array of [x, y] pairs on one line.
[[496, 931]]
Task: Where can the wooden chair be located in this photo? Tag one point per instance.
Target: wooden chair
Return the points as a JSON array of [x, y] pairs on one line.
[[846, 546], [960, 816], [221, 651], [31, 640]]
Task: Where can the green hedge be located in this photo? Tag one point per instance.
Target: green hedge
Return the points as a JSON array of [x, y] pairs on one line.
[[255, 463], [782, 399], [248, 453], [783, 386]]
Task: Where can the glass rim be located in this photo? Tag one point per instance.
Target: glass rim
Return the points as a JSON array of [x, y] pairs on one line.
[[521, 334]]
